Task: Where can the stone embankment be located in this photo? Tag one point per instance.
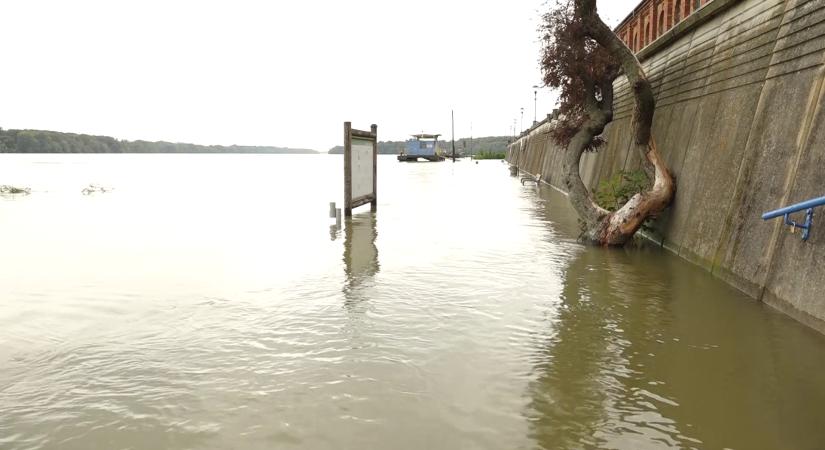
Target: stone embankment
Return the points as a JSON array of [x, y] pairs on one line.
[[740, 120]]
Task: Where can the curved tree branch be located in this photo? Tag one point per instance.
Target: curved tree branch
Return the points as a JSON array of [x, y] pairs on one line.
[[636, 78], [585, 71], [580, 197], [623, 224]]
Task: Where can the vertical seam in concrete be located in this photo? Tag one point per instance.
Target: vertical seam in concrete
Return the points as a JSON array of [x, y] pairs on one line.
[[717, 49], [725, 230], [692, 122], [738, 189], [544, 158], [694, 125], [747, 157], [813, 108], [703, 157], [671, 123], [810, 111]]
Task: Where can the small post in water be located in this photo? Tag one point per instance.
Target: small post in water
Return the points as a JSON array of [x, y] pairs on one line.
[[338, 218], [331, 210]]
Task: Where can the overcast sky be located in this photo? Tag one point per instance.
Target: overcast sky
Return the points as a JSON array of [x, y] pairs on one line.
[[285, 73]]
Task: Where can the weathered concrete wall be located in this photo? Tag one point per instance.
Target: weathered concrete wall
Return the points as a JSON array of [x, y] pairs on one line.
[[740, 120]]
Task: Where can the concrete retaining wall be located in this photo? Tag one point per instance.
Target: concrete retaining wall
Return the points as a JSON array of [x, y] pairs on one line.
[[740, 120]]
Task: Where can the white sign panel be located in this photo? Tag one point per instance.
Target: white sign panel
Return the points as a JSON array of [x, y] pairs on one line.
[[361, 168]]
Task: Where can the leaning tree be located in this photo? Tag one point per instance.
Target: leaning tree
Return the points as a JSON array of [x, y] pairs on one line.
[[581, 57]]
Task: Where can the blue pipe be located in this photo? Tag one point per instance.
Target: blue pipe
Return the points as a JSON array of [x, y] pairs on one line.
[[808, 206]]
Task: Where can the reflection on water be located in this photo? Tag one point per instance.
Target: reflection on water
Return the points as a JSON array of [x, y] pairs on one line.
[[591, 389], [360, 257], [648, 354], [200, 305], [360, 252]]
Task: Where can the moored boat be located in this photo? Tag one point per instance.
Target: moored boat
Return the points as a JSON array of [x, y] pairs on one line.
[[421, 146]]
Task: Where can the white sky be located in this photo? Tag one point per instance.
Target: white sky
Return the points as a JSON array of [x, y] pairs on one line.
[[284, 73]]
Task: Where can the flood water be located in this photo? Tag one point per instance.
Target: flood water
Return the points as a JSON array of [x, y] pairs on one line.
[[207, 303]]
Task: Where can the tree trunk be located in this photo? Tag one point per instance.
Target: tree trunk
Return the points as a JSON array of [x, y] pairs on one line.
[[601, 226]]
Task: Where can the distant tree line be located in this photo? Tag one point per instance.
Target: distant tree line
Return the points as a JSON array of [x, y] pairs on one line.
[[38, 141], [490, 144]]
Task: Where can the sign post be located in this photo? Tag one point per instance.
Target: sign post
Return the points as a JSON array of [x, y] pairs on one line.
[[360, 168]]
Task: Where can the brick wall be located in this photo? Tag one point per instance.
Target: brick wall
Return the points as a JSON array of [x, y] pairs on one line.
[[653, 18]]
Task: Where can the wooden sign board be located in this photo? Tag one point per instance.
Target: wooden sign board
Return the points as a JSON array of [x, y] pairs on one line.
[[360, 168]]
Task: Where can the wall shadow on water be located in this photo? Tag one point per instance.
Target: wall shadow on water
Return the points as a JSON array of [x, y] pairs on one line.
[[648, 351]]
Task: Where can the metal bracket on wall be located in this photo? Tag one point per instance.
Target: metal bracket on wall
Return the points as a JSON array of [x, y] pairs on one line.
[[807, 206], [806, 227]]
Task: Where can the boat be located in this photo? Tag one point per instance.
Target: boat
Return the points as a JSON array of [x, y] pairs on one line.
[[421, 146]]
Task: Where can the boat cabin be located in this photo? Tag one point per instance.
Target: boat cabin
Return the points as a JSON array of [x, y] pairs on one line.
[[424, 146]]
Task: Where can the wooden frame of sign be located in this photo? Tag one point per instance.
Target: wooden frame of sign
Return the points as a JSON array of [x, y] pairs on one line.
[[360, 168]]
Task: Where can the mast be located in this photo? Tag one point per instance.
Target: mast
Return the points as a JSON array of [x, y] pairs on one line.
[[452, 125]]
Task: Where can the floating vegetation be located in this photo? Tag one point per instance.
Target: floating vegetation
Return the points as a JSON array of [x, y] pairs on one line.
[[6, 189], [92, 188]]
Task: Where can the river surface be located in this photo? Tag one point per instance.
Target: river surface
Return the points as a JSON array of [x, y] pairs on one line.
[[208, 302]]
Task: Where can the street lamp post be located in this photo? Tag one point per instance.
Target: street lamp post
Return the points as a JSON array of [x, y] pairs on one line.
[[521, 124], [535, 96]]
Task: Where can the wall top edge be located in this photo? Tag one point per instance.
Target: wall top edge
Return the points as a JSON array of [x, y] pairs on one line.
[[689, 24]]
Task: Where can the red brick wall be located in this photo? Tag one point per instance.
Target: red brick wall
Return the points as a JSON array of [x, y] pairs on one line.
[[653, 18]]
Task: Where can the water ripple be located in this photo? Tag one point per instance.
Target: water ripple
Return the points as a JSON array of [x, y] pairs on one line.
[[433, 324]]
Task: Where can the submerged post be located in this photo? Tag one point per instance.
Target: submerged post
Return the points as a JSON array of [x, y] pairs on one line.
[[360, 168], [374, 203], [347, 171]]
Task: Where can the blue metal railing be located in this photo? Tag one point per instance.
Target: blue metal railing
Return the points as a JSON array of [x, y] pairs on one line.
[[808, 206]]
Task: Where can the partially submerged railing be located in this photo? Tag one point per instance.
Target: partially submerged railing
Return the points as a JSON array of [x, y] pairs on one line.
[[808, 206]]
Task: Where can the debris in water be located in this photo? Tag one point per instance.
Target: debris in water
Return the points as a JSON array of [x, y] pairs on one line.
[[6, 189], [95, 188]]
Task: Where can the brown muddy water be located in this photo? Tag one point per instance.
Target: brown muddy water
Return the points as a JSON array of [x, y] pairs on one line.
[[207, 303]]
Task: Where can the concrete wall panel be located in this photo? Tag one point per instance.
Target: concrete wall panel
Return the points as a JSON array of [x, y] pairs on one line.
[[724, 145], [771, 147], [796, 282]]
